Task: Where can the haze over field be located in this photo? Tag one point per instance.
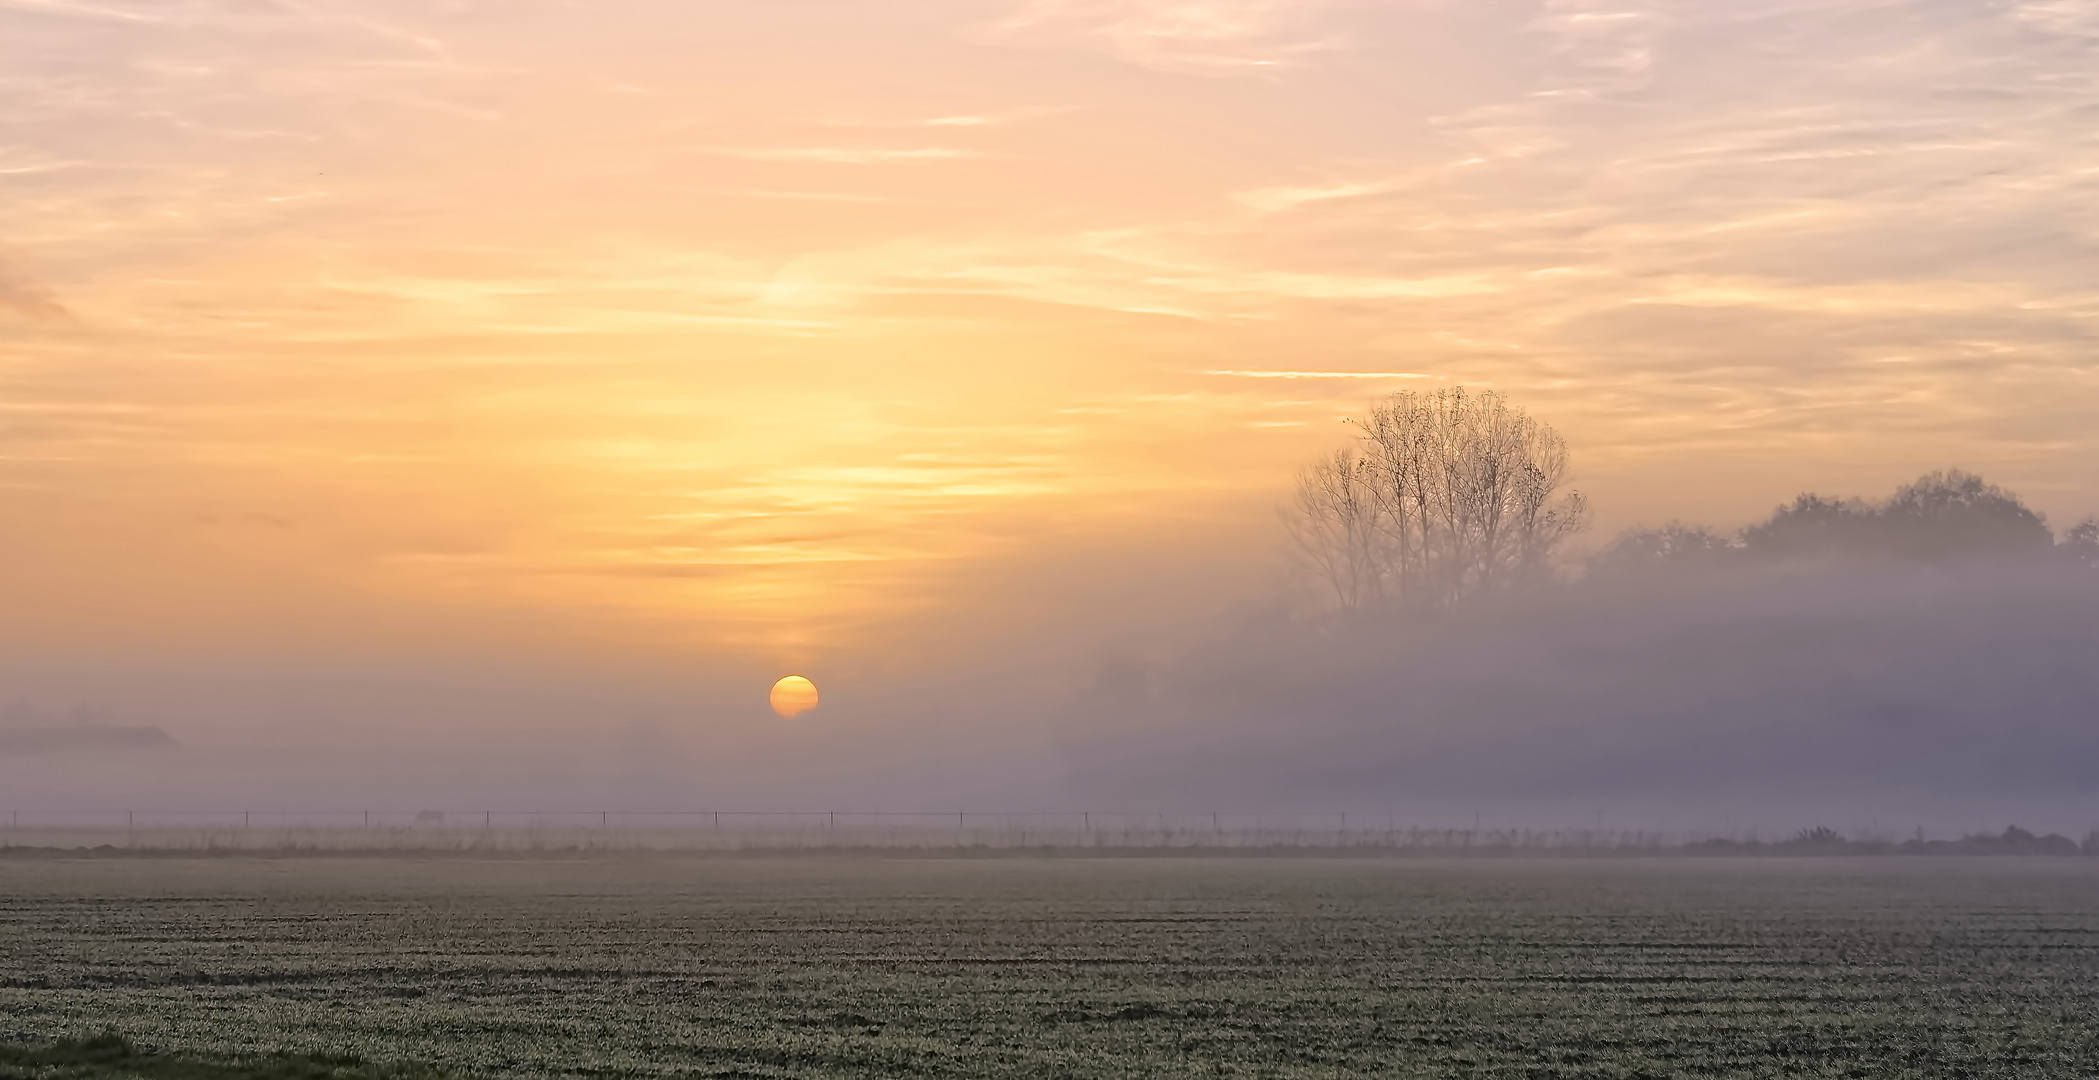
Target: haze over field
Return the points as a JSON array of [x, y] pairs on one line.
[[445, 404]]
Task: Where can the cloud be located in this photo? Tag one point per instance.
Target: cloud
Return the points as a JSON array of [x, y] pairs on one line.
[[1611, 44], [1000, 118], [29, 298], [1288, 198], [1791, 233], [840, 155], [804, 196], [1202, 36], [1879, 205], [78, 11], [1321, 374], [2071, 18]]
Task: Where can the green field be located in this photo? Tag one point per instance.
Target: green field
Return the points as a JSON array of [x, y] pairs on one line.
[[1057, 967]]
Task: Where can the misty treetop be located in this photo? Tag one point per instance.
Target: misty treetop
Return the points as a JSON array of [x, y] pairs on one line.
[[1948, 515], [1443, 498]]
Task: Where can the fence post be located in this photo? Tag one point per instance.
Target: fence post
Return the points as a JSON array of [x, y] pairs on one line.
[[368, 820]]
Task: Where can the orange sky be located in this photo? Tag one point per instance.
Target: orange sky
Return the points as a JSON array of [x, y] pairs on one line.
[[767, 328]]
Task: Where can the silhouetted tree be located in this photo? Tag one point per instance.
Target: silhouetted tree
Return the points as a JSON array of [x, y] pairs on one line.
[[1955, 513], [1446, 496], [1814, 526], [2081, 543], [1674, 547], [1941, 515], [1335, 528]]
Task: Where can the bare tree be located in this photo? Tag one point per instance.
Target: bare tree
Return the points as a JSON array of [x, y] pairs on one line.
[[1334, 525], [1446, 497]]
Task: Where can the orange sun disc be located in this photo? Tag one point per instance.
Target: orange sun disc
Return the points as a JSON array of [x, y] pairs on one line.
[[793, 696]]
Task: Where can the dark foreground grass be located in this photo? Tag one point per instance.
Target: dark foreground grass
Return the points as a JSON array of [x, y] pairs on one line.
[[1060, 968], [110, 1056]]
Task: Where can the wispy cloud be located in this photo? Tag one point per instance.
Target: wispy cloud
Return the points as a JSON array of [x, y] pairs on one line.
[[1857, 226], [1611, 44], [1379, 375], [841, 155], [999, 118], [2079, 18], [29, 298], [804, 196], [82, 11], [1205, 36], [1288, 198]]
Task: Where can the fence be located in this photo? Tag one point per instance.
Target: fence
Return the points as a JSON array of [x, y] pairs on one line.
[[535, 830]]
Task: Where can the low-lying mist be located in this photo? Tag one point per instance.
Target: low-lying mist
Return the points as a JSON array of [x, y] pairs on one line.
[[1928, 660]]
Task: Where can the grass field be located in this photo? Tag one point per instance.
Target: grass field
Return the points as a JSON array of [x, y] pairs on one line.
[[1061, 967]]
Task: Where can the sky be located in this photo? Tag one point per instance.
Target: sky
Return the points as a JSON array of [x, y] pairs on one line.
[[687, 345]]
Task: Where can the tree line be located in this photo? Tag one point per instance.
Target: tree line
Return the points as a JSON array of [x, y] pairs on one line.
[[1450, 497], [1942, 515]]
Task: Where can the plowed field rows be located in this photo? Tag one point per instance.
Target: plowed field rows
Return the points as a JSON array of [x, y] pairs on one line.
[[1071, 967]]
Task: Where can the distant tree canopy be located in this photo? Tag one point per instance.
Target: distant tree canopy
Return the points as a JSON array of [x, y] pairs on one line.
[[1942, 515], [2081, 543], [1445, 497], [1674, 545]]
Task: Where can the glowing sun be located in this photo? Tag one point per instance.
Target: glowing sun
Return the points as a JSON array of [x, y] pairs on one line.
[[793, 696]]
